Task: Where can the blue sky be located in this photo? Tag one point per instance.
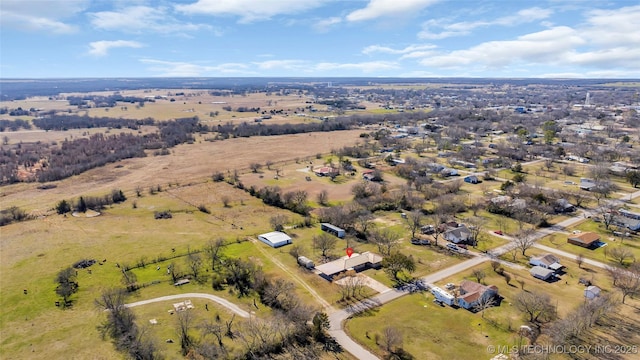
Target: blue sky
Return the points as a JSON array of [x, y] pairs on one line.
[[317, 38]]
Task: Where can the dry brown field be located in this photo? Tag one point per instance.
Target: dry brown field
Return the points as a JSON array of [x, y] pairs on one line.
[[192, 103], [186, 163]]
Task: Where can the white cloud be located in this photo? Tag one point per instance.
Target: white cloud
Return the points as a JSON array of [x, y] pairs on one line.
[[249, 10], [385, 8], [614, 27], [365, 67], [407, 50], [101, 48], [138, 19], [282, 64], [187, 69], [326, 24], [33, 15], [543, 46], [605, 44], [446, 30]]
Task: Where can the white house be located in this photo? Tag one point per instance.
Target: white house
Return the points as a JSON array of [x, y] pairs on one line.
[[275, 239], [546, 261], [357, 262], [442, 296]]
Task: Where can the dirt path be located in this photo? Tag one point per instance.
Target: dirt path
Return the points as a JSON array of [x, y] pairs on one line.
[[327, 307]]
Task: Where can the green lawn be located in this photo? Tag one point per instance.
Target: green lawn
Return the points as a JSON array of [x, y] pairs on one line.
[[434, 332]]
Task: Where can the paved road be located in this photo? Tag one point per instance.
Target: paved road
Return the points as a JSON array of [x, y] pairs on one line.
[[220, 301]]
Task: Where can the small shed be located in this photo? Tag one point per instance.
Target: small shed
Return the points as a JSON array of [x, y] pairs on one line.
[[332, 229], [306, 262], [275, 239], [471, 179], [591, 292], [541, 273]]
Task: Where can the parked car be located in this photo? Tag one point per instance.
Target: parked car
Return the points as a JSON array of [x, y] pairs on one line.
[[499, 232], [452, 247], [462, 246]]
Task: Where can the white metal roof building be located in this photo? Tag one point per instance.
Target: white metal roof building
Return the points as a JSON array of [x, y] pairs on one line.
[[356, 262], [275, 239]]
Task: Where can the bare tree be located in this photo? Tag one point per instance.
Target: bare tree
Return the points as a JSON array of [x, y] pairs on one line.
[[475, 226], [437, 219], [524, 240], [278, 221], [621, 254], [386, 239], [184, 323], [627, 281], [483, 303], [269, 164], [537, 306], [226, 200], [255, 167], [364, 221], [392, 338], [323, 198], [414, 222], [607, 211], [324, 243], [479, 274], [213, 249], [579, 260], [194, 261], [351, 286]]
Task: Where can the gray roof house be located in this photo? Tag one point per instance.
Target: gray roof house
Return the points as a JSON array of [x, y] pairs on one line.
[[457, 234]]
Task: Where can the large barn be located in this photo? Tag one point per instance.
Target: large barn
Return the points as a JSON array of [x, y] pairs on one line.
[[275, 239]]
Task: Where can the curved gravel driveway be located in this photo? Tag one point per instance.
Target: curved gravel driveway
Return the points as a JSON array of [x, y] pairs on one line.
[[220, 301]]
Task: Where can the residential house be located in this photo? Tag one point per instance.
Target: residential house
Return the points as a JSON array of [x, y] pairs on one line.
[[357, 262], [541, 273], [546, 261], [585, 239], [563, 206], [472, 293], [587, 184], [456, 235]]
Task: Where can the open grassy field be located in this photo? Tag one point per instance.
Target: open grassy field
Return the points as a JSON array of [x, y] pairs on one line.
[[32, 252]]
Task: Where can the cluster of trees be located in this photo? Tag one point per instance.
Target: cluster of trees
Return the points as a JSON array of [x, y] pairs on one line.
[[12, 214], [59, 121], [14, 125], [105, 101], [73, 157], [295, 201], [120, 326], [95, 203]]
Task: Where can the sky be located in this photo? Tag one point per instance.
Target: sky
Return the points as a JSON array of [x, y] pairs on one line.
[[320, 38]]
